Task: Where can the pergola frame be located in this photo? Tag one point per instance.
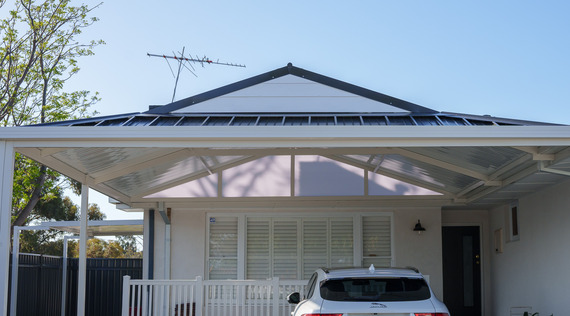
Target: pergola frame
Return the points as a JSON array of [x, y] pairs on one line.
[[131, 228]]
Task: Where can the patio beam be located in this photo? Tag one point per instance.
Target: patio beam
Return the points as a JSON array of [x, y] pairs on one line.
[[287, 203], [516, 177], [290, 136], [535, 152]]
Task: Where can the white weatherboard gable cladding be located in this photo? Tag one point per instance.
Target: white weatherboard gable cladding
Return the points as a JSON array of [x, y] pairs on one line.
[[290, 94]]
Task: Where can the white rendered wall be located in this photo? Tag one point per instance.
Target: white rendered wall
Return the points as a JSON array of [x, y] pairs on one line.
[[533, 271], [188, 244], [421, 251]]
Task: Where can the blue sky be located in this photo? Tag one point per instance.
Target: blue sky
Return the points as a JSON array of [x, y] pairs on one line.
[[502, 58]]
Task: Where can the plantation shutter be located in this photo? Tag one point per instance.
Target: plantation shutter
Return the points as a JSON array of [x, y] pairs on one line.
[[258, 248], [285, 248], [376, 241], [341, 243], [315, 250], [222, 248]]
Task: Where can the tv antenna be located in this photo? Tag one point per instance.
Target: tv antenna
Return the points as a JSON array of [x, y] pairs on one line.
[[187, 62]]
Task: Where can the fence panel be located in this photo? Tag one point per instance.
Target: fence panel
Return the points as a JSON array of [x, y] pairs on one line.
[[104, 284], [39, 285], [40, 279]]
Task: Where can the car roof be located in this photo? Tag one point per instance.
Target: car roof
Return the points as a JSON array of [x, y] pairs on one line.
[[367, 272]]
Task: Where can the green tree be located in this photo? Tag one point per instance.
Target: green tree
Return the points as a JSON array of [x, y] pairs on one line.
[[130, 245], [99, 248], [38, 53]]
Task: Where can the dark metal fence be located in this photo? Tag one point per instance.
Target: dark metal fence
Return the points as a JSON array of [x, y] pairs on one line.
[[40, 280]]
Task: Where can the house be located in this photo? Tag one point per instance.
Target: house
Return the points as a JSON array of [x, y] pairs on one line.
[[290, 170]]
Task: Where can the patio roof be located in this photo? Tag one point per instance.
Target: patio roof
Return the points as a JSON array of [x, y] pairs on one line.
[[470, 160]]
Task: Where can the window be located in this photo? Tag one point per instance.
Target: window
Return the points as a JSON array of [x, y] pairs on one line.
[[293, 247], [376, 241], [375, 290], [311, 285], [514, 221], [222, 248]]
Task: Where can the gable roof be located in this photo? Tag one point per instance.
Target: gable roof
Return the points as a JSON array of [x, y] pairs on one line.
[[274, 75], [292, 96]]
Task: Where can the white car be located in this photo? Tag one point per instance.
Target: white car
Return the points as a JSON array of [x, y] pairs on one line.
[[367, 292]]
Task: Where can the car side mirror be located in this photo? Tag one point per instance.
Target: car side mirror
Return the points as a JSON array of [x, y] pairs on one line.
[[294, 298]]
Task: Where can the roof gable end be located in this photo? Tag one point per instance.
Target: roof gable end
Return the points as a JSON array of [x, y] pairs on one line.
[[273, 91]]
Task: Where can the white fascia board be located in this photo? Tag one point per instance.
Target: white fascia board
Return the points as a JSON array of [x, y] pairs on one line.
[[287, 136]]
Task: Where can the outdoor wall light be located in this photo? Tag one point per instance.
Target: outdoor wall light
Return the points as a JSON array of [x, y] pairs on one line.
[[418, 228]]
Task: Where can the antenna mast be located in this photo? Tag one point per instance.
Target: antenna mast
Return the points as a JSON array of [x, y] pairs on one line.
[[187, 62]]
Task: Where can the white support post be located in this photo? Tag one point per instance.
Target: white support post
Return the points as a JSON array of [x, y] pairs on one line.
[[126, 295], [6, 182], [15, 263], [82, 273], [64, 273]]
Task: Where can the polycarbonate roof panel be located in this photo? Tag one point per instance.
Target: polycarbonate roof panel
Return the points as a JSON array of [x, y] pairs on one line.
[[166, 173], [484, 160], [412, 169], [446, 179], [95, 159]]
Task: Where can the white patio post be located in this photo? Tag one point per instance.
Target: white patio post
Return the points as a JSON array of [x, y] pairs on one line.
[[6, 181], [82, 273], [15, 263]]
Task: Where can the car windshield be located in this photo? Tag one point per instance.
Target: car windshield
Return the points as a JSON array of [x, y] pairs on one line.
[[375, 289]]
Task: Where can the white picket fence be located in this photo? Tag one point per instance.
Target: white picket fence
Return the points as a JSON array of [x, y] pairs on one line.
[[208, 298]]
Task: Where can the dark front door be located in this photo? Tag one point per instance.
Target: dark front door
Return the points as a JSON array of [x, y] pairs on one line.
[[462, 270]]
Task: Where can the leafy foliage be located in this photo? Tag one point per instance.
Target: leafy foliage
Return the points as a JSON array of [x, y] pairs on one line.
[[39, 52], [99, 248]]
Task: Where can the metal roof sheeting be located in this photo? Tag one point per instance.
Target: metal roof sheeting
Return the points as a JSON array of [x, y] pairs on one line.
[[285, 119]]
